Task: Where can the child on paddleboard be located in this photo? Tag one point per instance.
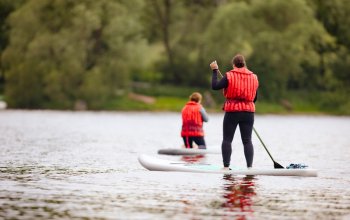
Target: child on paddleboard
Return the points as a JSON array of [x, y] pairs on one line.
[[240, 89], [193, 116]]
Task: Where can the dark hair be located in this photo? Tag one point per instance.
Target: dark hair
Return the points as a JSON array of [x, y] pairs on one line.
[[238, 61]]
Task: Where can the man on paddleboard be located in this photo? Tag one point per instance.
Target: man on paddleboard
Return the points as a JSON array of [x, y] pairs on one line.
[[193, 115], [240, 89]]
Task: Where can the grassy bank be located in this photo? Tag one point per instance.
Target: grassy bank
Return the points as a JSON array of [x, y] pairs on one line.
[[171, 98], [167, 103]]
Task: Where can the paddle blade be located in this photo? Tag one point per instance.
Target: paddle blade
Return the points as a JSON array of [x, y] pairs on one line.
[[277, 165]]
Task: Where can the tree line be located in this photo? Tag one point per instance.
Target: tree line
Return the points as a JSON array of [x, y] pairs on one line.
[[54, 53]]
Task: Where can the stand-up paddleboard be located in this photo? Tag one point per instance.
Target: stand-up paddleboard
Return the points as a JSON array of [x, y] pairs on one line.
[[186, 151], [156, 164]]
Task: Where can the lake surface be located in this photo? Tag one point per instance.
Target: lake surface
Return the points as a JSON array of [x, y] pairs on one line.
[[83, 165]]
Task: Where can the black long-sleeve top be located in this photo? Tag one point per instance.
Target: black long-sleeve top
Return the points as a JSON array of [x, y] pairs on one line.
[[223, 83]]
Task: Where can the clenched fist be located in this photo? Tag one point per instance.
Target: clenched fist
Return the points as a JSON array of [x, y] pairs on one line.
[[214, 65]]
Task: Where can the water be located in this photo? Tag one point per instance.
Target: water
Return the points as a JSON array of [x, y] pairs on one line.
[[83, 165]]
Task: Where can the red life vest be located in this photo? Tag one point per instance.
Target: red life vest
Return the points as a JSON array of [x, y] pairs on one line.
[[241, 90], [192, 122]]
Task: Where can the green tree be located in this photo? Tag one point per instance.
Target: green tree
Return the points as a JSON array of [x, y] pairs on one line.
[[64, 51], [179, 25], [273, 35], [334, 15], [6, 7]]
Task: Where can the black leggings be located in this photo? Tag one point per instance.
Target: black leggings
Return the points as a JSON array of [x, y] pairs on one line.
[[198, 140], [245, 120]]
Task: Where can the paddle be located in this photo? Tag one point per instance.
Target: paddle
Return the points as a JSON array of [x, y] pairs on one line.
[[275, 164]]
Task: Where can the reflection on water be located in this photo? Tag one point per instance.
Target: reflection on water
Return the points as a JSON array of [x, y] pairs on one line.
[[193, 158], [238, 193]]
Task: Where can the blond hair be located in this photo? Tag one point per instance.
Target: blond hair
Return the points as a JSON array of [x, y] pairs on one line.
[[196, 97]]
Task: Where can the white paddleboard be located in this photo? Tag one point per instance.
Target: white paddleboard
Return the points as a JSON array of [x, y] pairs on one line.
[[157, 164], [187, 151]]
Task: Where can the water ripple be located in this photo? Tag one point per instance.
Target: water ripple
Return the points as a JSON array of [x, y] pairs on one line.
[[83, 165]]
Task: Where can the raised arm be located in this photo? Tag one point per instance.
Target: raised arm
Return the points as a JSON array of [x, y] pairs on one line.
[[215, 84]]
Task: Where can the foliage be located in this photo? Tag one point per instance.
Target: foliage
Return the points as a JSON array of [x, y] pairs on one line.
[[56, 53], [179, 25], [64, 51], [334, 16], [6, 8], [269, 35]]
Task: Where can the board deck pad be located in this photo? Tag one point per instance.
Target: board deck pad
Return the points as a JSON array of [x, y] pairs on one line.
[[187, 151], [157, 164]]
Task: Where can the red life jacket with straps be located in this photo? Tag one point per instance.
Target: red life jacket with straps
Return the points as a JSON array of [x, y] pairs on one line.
[[192, 122], [241, 90]]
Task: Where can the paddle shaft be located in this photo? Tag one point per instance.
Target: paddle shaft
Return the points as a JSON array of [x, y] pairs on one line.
[[275, 164], [263, 144]]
